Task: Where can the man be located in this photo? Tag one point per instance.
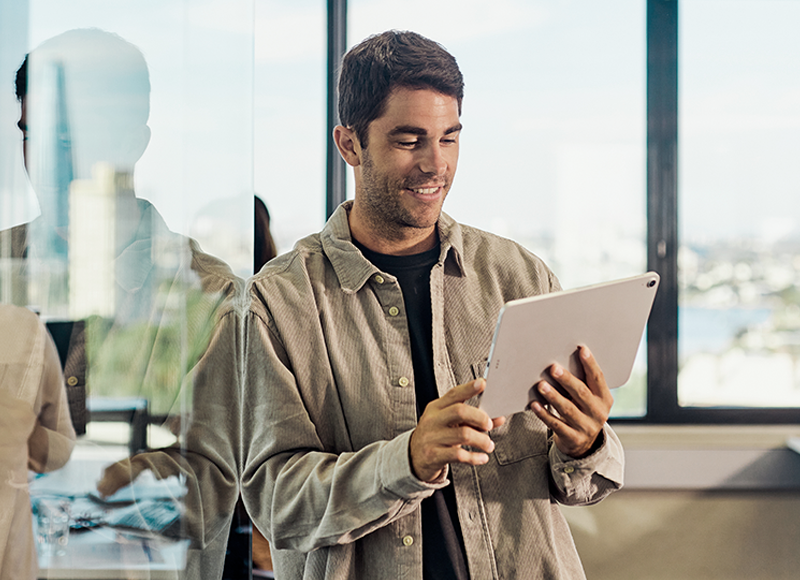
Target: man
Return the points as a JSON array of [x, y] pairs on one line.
[[366, 455]]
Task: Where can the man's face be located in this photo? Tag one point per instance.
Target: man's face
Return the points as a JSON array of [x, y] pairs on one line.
[[410, 161]]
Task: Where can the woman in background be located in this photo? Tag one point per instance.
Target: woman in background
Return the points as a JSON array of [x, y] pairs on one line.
[[35, 430]]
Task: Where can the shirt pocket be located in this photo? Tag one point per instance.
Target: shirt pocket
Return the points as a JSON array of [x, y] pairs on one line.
[[479, 368], [522, 436]]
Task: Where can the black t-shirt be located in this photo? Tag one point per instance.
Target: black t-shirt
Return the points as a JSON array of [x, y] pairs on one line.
[[442, 543]]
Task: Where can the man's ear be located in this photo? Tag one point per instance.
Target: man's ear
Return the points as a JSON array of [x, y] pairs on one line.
[[348, 145]]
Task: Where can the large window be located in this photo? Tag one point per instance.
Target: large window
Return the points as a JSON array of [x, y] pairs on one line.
[[553, 156], [739, 201], [721, 118]]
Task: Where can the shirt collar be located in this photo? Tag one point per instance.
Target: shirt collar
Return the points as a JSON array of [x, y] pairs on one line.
[[353, 269]]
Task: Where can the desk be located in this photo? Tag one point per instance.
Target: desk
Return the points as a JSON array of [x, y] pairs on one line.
[[103, 553]]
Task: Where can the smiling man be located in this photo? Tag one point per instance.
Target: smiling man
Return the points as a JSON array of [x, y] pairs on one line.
[[366, 455]]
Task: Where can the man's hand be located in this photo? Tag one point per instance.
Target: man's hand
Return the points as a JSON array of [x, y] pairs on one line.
[[578, 422], [118, 475], [446, 427]]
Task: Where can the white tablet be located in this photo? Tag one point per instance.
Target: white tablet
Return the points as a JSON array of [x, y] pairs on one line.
[[533, 333]]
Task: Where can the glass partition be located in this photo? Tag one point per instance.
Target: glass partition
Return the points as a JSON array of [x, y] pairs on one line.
[[289, 116], [126, 190]]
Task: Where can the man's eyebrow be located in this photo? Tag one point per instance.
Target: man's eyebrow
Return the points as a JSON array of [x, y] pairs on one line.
[[412, 130], [407, 130]]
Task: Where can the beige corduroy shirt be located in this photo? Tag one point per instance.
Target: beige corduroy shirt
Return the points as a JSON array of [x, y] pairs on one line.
[[330, 407]]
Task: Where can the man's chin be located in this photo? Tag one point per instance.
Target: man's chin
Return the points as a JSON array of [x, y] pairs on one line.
[[421, 223]]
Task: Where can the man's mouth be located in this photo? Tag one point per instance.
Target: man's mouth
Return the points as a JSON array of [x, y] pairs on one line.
[[425, 190]]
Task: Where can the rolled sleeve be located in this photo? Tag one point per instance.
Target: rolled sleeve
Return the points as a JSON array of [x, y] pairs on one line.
[[588, 480], [396, 473]]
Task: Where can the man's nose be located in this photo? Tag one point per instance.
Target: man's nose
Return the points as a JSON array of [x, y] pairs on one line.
[[433, 160]]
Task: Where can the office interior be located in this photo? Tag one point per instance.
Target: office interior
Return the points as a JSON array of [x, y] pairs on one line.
[[609, 138]]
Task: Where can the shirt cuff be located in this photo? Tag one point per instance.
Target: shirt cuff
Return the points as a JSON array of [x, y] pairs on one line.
[[607, 460], [396, 473]]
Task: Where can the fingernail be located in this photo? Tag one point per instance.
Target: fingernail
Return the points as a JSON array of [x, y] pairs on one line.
[[585, 352], [478, 383], [544, 388], [557, 371]]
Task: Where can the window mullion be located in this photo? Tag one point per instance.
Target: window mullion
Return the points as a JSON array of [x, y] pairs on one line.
[[662, 214]]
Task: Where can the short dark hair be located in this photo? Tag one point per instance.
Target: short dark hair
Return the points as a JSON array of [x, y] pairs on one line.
[[372, 69], [21, 80]]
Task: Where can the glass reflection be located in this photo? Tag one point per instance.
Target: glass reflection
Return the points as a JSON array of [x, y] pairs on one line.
[[143, 321]]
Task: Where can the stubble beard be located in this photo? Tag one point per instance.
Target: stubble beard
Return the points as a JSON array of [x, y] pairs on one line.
[[381, 201]]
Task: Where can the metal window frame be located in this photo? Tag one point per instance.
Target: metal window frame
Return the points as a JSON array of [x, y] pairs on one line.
[[336, 190]]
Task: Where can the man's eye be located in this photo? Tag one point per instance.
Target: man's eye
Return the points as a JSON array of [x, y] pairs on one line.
[[408, 143]]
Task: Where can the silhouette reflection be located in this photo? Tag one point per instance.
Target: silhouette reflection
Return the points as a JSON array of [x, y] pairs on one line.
[[156, 318]]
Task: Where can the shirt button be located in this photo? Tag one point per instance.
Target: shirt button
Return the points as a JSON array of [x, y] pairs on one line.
[[72, 381], [379, 279], [408, 540], [403, 383], [394, 311], [569, 469]]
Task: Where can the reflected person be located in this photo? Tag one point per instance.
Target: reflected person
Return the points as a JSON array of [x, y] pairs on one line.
[[152, 300], [102, 253], [366, 454]]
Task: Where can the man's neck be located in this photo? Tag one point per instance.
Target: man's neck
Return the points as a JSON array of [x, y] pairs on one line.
[[391, 241], [404, 246]]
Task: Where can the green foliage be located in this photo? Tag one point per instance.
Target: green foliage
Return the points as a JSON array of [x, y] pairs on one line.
[[152, 358]]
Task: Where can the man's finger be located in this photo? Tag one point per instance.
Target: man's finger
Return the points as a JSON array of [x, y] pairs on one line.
[[569, 410], [461, 393], [461, 414], [465, 436], [572, 385], [552, 422], [595, 379]]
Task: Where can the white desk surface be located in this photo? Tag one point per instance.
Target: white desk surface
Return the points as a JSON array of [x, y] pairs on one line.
[[103, 552]]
